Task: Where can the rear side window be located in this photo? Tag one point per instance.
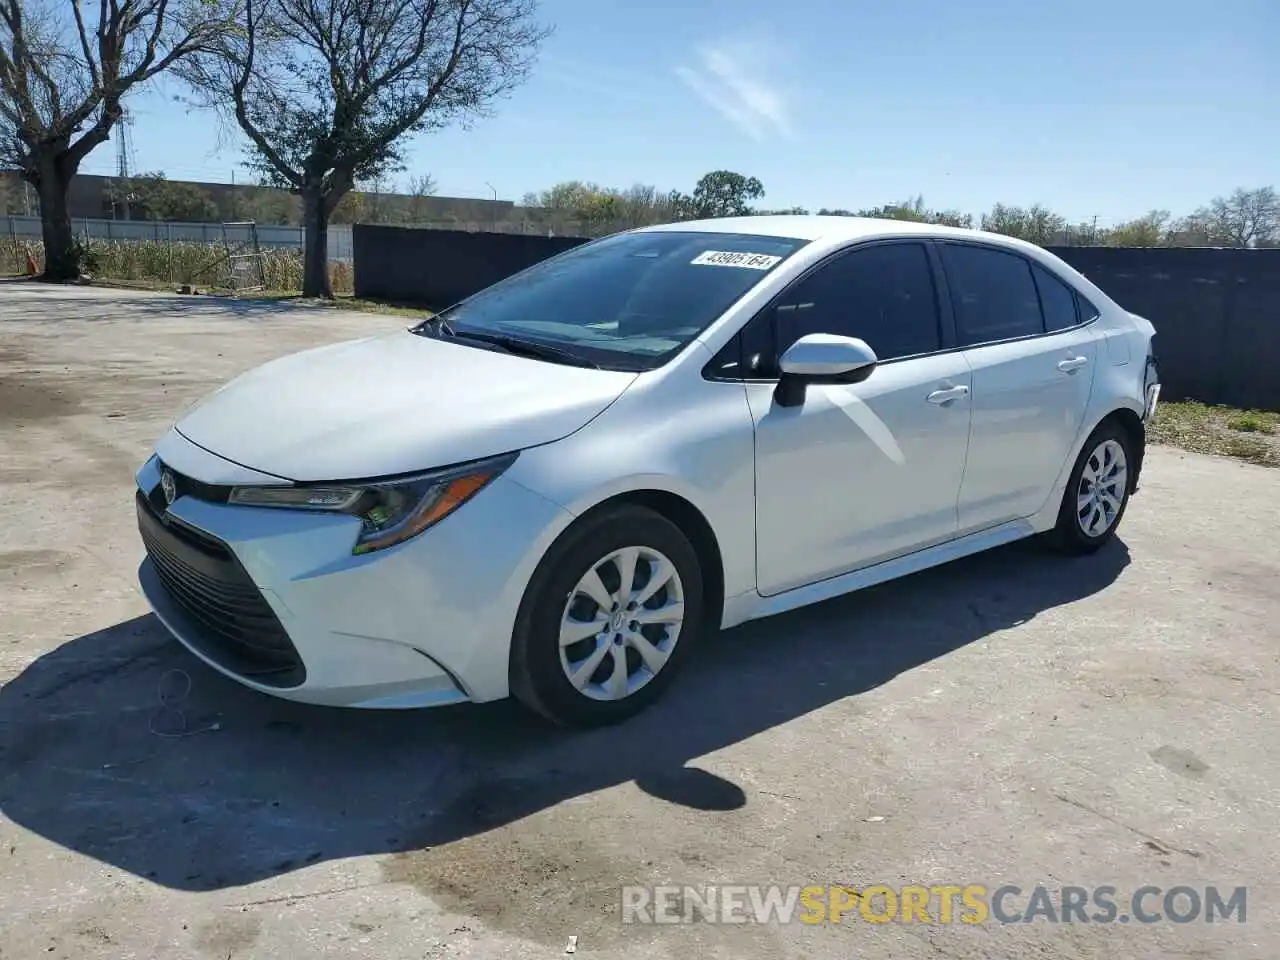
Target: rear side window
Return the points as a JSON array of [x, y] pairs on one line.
[[1057, 300], [883, 294], [993, 294], [1086, 310]]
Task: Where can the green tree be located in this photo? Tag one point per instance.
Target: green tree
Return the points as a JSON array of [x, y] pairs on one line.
[[1151, 230], [264, 204], [1035, 224], [352, 208], [327, 90], [721, 193], [597, 207], [152, 196], [915, 210]]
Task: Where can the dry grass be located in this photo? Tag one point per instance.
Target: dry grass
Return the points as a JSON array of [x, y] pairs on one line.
[[1252, 435], [164, 264]]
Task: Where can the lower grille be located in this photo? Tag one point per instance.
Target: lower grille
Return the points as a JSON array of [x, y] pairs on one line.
[[237, 628]]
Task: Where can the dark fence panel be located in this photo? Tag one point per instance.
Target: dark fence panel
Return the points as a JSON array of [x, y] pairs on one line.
[[1216, 313], [441, 267]]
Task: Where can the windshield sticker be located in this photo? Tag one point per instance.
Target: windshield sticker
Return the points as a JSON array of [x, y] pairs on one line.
[[727, 258]]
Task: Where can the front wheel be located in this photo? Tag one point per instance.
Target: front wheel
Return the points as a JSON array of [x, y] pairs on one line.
[[1097, 491], [612, 611]]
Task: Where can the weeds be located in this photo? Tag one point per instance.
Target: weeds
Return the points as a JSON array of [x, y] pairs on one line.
[[1254, 421], [1244, 434], [173, 263]]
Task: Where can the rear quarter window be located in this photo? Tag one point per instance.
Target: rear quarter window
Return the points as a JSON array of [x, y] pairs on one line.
[[1057, 300]]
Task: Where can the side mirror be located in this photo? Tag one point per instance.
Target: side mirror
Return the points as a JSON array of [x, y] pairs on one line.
[[822, 358]]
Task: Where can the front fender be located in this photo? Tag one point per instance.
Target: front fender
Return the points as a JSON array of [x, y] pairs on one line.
[[704, 455]]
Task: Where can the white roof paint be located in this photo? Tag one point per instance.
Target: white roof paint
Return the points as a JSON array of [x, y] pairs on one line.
[[835, 230]]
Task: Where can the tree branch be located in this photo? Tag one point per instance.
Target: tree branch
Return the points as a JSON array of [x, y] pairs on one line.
[[94, 74], [238, 88], [96, 135]]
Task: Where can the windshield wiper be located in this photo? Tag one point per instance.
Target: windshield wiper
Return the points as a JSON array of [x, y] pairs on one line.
[[435, 326], [528, 348]]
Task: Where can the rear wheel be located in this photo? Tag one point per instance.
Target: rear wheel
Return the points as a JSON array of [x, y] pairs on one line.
[[1097, 491], [612, 611]]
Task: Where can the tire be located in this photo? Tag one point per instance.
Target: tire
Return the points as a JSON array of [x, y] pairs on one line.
[[1085, 527], [603, 542]]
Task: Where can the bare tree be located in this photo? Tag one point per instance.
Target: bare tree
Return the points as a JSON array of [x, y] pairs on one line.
[[421, 188], [376, 199], [326, 90], [1244, 219], [64, 75], [422, 185]]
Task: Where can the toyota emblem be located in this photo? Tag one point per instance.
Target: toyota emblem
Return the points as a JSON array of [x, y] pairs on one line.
[[169, 487]]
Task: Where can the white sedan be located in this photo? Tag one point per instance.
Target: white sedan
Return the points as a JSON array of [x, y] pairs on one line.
[[557, 487]]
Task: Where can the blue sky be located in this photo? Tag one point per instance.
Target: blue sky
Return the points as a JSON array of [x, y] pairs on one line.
[[1103, 108]]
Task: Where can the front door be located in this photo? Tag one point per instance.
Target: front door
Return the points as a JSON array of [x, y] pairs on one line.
[[862, 473]]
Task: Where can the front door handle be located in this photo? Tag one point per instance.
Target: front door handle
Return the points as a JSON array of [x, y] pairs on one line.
[[943, 397], [1072, 364]]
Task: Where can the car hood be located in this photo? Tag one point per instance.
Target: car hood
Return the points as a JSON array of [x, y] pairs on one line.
[[394, 404]]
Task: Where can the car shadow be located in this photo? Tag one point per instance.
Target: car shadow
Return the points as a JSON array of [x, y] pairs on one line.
[[120, 746]]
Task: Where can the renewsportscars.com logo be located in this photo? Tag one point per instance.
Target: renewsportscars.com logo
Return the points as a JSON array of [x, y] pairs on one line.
[[970, 903]]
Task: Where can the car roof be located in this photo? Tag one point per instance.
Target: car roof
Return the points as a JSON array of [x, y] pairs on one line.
[[832, 229]]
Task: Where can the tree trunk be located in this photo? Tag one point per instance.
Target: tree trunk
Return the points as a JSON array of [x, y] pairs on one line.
[[315, 248], [61, 257]]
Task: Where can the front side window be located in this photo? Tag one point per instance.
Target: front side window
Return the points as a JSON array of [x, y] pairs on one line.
[[883, 294], [992, 292], [630, 301]]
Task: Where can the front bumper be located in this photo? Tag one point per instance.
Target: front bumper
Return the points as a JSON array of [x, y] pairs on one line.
[[425, 623]]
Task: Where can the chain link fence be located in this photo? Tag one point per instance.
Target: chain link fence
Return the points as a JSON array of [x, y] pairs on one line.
[[240, 256]]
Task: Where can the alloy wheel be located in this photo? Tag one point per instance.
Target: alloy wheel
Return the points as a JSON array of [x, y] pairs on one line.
[[621, 623], [1103, 484]]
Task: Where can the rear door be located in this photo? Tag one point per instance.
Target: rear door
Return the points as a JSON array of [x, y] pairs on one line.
[[1032, 363]]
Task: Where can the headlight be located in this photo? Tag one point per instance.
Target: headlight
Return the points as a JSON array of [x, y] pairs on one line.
[[390, 512]]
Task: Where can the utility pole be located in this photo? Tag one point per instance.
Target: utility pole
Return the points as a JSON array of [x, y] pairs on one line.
[[493, 211], [123, 171]]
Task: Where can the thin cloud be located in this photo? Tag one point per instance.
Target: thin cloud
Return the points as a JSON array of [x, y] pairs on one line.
[[727, 79]]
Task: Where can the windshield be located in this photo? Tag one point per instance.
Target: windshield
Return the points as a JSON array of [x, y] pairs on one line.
[[630, 301]]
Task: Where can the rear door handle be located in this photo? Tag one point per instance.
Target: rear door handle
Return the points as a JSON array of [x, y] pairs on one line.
[[1072, 364], [947, 395]]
